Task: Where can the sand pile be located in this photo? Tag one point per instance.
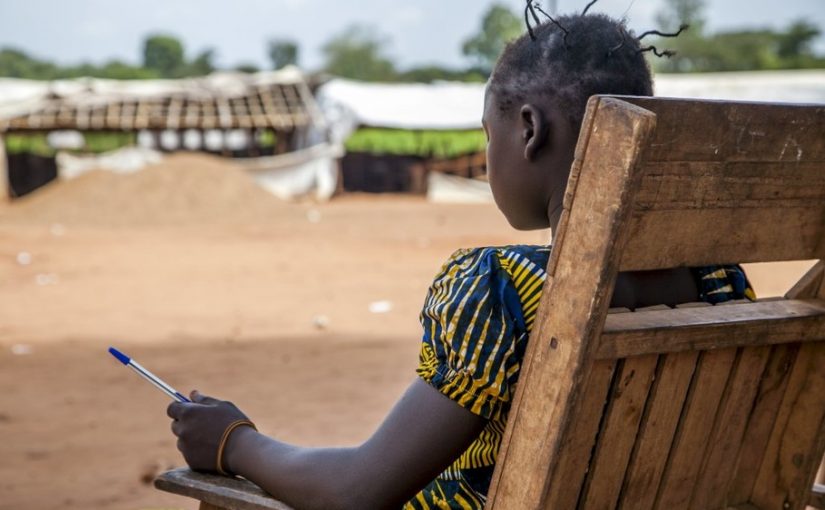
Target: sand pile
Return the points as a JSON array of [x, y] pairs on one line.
[[183, 189]]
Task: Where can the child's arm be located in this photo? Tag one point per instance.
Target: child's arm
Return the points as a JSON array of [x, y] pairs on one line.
[[423, 434]]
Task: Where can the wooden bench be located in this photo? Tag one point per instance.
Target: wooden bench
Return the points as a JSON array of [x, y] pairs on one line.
[[697, 407]]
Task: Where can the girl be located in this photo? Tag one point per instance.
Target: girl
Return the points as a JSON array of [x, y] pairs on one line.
[[438, 446]]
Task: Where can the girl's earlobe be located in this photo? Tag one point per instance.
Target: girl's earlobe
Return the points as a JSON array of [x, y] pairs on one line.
[[534, 128]]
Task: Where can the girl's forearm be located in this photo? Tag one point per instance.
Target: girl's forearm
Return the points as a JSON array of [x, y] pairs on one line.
[[306, 478]]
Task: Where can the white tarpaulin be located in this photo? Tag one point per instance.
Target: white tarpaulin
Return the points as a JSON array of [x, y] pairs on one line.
[[307, 172], [121, 161], [349, 104], [451, 189], [18, 97]]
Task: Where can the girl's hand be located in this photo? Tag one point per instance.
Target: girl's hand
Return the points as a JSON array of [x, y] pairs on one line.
[[199, 426]]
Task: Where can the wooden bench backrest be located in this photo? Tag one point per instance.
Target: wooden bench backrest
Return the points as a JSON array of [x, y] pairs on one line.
[[695, 407]]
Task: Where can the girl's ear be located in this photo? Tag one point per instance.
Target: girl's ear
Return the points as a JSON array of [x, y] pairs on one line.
[[535, 128]]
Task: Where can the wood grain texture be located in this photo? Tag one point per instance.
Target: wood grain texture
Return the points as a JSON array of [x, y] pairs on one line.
[[657, 431], [733, 131], [581, 275], [695, 425], [761, 421], [577, 450], [731, 419], [618, 434], [718, 327], [752, 171], [219, 491], [797, 441]]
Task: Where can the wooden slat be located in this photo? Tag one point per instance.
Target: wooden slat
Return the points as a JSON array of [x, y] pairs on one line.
[[729, 165], [763, 322], [817, 498], [657, 431], [797, 440], [761, 421], [686, 185], [579, 285], [734, 235], [734, 131], [618, 434], [695, 425], [726, 439], [575, 456], [220, 491]]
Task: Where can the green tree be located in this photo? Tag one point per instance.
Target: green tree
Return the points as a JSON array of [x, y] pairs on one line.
[[358, 53], [282, 53], [498, 27], [796, 43], [163, 54], [202, 64], [15, 63], [679, 12], [247, 67]]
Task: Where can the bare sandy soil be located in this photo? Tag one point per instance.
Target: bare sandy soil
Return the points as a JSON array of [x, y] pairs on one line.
[[214, 286]]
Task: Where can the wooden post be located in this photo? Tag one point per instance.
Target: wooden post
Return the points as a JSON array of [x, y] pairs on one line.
[[5, 187]]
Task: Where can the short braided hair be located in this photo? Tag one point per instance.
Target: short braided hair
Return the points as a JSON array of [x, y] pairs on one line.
[[569, 59]]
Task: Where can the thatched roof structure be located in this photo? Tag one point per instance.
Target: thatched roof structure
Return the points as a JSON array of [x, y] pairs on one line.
[[280, 101]]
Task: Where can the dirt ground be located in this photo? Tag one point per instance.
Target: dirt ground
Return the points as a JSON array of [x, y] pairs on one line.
[[304, 314]]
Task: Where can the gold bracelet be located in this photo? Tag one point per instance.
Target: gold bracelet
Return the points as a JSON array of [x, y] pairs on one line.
[[225, 439]]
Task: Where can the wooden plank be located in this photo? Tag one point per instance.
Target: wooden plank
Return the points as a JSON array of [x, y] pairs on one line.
[[737, 235], [761, 421], [686, 185], [817, 498], [797, 440], [618, 435], [706, 130], [759, 323], [753, 171], [695, 425], [220, 491], [579, 286], [725, 441], [577, 450], [657, 431]]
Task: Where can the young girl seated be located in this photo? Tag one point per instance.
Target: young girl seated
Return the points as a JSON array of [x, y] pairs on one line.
[[437, 448]]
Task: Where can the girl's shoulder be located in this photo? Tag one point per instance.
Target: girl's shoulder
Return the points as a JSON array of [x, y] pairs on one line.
[[480, 261]]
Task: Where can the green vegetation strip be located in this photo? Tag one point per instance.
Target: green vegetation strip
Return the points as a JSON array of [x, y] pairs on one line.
[[440, 144], [96, 143]]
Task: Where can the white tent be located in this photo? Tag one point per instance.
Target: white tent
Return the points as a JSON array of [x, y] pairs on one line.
[[349, 104]]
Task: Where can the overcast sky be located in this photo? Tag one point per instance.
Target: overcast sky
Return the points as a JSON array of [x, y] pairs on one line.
[[421, 31]]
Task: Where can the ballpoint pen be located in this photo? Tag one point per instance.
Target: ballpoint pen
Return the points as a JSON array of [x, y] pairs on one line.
[[149, 376]]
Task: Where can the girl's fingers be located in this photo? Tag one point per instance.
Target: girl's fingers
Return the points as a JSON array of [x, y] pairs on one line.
[[200, 398]]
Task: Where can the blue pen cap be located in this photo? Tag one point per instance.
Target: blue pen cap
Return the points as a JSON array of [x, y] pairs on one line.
[[119, 355]]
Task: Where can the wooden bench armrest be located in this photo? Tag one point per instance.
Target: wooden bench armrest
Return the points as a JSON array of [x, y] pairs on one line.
[[218, 491], [817, 497]]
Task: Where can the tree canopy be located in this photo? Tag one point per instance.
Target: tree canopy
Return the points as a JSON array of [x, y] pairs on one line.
[[359, 53], [164, 55], [734, 50], [282, 52], [498, 27]]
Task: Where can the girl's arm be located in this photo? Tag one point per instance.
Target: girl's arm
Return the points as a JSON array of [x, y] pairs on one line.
[[423, 434]]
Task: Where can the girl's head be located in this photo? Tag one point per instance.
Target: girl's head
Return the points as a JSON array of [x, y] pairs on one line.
[[535, 104]]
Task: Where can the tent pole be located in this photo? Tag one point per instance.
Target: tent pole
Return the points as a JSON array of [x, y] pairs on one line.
[[5, 188]]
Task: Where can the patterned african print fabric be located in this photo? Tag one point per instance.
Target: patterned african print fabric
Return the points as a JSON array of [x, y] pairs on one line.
[[477, 317]]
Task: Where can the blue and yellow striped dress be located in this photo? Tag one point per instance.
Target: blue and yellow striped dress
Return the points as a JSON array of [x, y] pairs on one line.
[[477, 317]]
